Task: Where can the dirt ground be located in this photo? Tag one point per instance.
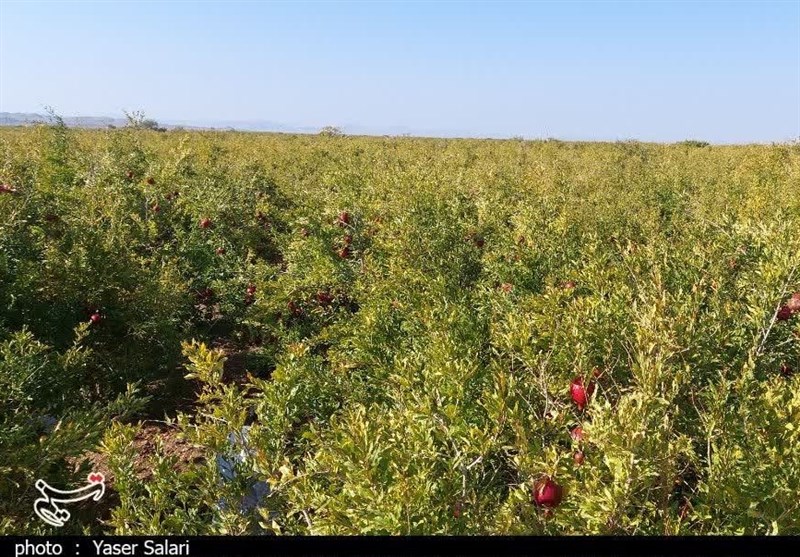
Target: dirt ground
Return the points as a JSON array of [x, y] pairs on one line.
[[154, 431], [145, 442]]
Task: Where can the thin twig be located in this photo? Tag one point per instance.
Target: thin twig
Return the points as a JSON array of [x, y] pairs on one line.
[[760, 349]]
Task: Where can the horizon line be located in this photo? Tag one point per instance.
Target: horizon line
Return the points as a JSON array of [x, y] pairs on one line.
[[355, 130]]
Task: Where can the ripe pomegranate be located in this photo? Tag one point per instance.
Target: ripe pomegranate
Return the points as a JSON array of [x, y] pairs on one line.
[[156, 208], [506, 287], [568, 285], [95, 318], [347, 240], [344, 218], [251, 289], [344, 253], [324, 298], [794, 303], [220, 251], [7, 188], [579, 393], [457, 509], [294, 308], [578, 457], [205, 223], [784, 313], [577, 433], [786, 370], [129, 175], [151, 181], [547, 493]]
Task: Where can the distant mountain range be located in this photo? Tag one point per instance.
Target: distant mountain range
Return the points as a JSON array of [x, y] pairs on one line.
[[91, 122], [95, 122], [98, 122], [28, 118]]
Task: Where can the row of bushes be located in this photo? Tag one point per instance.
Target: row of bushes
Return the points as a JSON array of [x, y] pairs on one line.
[[413, 315]]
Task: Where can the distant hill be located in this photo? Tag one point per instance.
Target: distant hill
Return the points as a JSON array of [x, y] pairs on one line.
[[28, 118], [99, 122]]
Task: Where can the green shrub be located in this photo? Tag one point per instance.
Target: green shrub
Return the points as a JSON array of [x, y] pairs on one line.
[[50, 416], [412, 314]]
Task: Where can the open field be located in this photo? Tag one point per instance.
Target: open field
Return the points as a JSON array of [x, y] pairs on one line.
[[414, 329]]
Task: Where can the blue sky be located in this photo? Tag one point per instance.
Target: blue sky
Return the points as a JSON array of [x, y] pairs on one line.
[[658, 71]]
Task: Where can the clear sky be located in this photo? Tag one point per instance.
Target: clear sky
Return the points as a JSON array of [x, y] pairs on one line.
[[662, 71]]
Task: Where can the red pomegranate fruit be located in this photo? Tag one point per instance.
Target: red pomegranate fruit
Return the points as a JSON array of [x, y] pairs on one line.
[[205, 223], [784, 313], [580, 393], [547, 493]]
